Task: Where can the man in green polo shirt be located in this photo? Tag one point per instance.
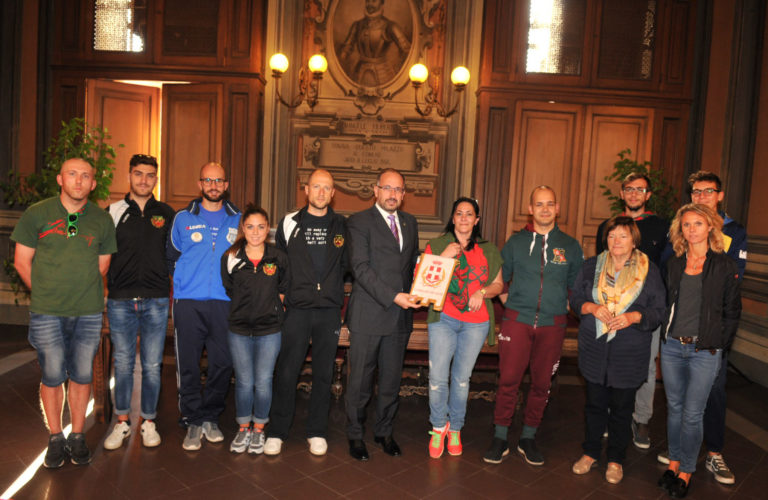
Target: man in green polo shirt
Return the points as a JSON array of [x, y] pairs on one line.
[[63, 247]]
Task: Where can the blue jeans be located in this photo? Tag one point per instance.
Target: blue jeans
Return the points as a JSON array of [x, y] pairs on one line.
[[688, 377], [452, 339], [66, 346], [253, 358], [126, 318]]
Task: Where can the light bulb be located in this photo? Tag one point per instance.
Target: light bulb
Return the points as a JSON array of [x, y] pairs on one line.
[[460, 75], [418, 73], [278, 63], [318, 64]]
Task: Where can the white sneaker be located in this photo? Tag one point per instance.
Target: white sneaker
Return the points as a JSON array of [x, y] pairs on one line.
[[115, 439], [273, 446], [149, 436], [212, 433], [317, 445]]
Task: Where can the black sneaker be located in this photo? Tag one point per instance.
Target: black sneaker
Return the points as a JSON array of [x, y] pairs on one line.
[[498, 450], [78, 450], [56, 454], [527, 448]]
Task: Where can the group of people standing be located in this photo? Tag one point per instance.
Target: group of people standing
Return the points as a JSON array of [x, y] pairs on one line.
[[254, 307], [620, 296]]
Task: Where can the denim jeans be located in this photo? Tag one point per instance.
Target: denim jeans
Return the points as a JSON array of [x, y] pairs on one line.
[[253, 358], [688, 377], [128, 317], [66, 346], [452, 339]]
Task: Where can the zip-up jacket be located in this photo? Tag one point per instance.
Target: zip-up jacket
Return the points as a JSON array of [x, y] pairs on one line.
[[256, 308], [737, 246], [193, 255], [307, 290], [540, 280], [139, 268], [720, 300]]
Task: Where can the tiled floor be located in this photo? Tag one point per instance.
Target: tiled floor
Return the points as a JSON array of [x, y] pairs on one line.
[[213, 472]]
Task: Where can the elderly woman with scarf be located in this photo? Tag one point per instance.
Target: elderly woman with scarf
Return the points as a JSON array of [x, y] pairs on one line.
[[457, 334], [620, 297]]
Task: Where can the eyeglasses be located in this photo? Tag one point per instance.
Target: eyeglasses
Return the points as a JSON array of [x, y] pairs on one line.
[[630, 190], [391, 189], [72, 224], [706, 191], [208, 181]]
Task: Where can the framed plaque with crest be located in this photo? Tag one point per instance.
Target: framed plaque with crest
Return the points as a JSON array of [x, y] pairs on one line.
[[432, 279]]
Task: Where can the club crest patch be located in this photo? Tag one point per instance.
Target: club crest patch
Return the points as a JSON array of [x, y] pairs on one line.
[[232, 235], [558, 256], [270, 269], [197, 236], [158, 221], [338, 241], [433, 275]]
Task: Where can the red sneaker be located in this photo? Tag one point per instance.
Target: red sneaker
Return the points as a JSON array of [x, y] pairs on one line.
[[454, 443], [437, 441]]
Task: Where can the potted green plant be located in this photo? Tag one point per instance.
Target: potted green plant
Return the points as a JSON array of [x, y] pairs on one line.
[[664, 200], [74, 140]]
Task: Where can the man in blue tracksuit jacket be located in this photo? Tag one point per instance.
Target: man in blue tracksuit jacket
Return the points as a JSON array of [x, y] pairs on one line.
[[200, 234]]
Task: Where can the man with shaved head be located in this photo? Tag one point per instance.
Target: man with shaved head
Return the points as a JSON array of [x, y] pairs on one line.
[[542, 262], [199, 236], [315, 239], [63, 249]]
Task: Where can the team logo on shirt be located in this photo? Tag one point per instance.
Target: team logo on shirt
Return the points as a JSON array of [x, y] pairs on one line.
[[270, 269], [338, 240], [197, 236], [158, 221], [558, 256], [232, 235], [433, 275]]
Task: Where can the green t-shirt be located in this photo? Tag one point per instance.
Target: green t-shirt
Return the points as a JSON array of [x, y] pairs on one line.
[[65, 271]]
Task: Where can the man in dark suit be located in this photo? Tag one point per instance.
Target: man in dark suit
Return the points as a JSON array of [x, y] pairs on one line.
[[384, 245]]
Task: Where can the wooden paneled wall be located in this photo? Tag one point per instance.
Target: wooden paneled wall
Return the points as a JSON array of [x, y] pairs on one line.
[[565, 130], [215, 115]]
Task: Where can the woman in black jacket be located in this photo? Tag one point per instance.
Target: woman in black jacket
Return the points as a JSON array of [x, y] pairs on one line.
[[703, 309], [255, 276], [620, 297]]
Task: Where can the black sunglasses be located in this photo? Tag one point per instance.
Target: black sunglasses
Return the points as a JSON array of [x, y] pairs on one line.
[[72, 225]]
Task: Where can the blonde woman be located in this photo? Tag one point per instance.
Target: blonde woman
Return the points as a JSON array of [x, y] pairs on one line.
[[703, 309]]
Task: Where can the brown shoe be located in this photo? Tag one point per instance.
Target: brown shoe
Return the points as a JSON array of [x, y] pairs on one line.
[[584, 465], [614, 473]]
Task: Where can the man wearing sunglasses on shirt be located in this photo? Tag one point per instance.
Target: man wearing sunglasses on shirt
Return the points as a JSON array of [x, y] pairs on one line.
[[63, 249], [199, 236], [137, 305]]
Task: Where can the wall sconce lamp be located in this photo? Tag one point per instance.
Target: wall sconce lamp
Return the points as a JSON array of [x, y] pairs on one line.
[[418, 75], [309, 88]]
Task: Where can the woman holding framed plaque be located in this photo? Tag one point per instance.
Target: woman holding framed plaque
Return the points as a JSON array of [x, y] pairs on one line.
[[457, 333]]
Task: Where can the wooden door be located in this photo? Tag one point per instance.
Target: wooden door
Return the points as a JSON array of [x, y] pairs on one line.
[[192, 136], [545, 151], [571, 148], [608, 130], [130, 115]]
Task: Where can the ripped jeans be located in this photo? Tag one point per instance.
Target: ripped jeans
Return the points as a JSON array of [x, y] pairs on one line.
[[453, 349]]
